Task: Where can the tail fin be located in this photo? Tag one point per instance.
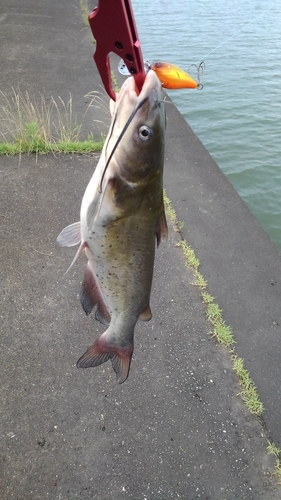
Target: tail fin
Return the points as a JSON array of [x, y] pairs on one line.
[[101, 351]]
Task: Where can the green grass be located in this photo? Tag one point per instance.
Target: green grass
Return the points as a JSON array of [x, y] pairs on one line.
[[85, 11], [115, 84], [170, 211], [223, 334], [273, 450], [248, 391], [192, 261], [220, 330], [30, 125], [38, 147]]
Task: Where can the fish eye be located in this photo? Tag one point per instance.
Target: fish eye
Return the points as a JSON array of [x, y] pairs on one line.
[[145, 133]]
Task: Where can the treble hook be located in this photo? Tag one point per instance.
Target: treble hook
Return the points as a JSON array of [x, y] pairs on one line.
[[200, 69]]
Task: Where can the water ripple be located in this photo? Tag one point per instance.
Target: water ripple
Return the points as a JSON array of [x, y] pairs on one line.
[[237, 114]]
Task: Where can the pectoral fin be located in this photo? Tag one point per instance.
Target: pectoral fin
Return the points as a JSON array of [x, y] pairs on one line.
[[161, 230], [77, 255], [70, 235]]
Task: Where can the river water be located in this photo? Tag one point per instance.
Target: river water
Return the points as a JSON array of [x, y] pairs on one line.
[[237, 114]]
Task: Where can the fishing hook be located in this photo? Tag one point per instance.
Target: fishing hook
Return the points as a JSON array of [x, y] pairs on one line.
[[200, 69]]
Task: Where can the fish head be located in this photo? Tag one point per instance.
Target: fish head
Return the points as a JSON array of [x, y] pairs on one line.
[[136, 137]]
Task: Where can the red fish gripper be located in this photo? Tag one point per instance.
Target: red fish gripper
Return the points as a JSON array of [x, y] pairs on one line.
[[114, 29]]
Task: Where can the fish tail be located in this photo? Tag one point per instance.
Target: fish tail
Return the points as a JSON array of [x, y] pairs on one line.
[[101, 351]]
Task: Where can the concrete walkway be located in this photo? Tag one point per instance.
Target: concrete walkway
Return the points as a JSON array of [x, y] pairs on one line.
[[176, 428]]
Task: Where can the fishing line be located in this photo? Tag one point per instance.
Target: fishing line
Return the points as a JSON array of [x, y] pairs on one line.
[[235, 34], [120, 137]]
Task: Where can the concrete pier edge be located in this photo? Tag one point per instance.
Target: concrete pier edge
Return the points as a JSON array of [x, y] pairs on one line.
[[239, 261]]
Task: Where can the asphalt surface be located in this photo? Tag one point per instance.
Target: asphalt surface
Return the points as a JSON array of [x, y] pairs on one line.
[[176, 428]]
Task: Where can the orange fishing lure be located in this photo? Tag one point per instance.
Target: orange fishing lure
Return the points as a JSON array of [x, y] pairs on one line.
[[172, 77]]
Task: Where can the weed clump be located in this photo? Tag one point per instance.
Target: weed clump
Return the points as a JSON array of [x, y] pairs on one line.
[[41, 126]]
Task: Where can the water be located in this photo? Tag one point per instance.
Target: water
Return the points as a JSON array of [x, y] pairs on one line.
[[238, 113]]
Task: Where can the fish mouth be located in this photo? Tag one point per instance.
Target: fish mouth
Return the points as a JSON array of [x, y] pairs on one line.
[[151, 83], [151, 90], [130, 104]]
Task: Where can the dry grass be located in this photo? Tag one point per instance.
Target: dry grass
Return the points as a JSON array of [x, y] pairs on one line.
[[47, 120], [85, 11], [40, 125]]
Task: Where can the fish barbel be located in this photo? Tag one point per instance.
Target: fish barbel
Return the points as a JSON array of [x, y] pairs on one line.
[[122, 215]]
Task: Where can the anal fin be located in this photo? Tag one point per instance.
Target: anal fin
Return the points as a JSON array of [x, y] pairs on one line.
[[146, 314]]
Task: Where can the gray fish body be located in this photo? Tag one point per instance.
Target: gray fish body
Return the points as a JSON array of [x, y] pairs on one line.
[[122, 214]]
